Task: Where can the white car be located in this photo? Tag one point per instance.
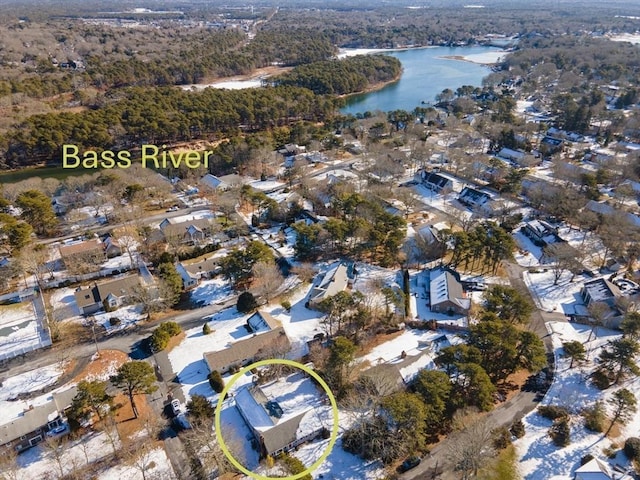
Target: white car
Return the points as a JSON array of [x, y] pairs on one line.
[[176, 406]]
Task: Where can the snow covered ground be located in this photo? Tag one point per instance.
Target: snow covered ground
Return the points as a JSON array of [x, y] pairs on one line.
[[538, 458], [39, 461], [445, 203], [19, 330], [228, 84], [156, 465], [63, 304], [212, 291], [486, 58], [128, 316], [563, 297]]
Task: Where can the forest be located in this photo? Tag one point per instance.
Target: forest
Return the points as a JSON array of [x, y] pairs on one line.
[[341, 77]]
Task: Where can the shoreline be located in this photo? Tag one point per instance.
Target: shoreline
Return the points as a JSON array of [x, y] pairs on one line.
[[373, 88], [469, 58]]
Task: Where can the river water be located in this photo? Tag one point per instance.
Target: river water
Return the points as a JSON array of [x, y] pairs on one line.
[[425, 74]]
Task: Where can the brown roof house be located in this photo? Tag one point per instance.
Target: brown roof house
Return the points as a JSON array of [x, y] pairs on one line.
[[284, 413], [90, 252], [192, 231], [107, 295], [446, 294], [32, 426], [243, 352]]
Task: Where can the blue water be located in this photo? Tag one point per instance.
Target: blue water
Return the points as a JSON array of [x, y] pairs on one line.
[[424, 76]]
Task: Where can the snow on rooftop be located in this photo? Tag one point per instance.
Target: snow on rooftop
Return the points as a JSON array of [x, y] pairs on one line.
[[254, 412]]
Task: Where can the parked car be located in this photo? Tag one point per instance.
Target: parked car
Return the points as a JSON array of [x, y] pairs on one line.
[[176, 406], [409, 463], [59, 430]]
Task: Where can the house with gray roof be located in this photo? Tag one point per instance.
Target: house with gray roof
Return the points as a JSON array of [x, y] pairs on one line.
[[193, 272], [243, 352], [446, 294], [31, 427], [213, 182], [109, 294], [333, 282], [434, 181], [603, 292], [191, 231]]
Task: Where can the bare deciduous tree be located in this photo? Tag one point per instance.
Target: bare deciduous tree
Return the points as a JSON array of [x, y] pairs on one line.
[[267, 279], [472, 447]]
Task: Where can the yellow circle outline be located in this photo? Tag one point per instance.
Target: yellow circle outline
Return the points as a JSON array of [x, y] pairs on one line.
[[276, 361]]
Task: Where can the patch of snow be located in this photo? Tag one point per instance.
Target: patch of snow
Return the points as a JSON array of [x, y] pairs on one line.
[[212, 291], [157, 466]]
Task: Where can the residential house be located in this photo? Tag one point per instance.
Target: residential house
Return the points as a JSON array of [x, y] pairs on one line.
[[192, 273], [473, 198], [31, 427], [112, 247], [541, 232], [333, 282], [191, 231], [244, 352], [550, 145], [89, 251], [596, 469], [518, 157], [603, 208], [601, 291], [446, 294], [278, 422], [291, 150], [434, 181], [214, 183], [109, 294]]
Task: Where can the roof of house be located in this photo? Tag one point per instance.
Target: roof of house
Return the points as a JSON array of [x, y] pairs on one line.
[[510, 153], [244, 349], [283, 434], [595, 469], [170, 229], [276, 410], [87, 246], [37, 417], [473, 196], [333, 282], [212, 181], [436, 179], [203, 266], [117, 287], [601, 289], [444, 286], [262, 321]]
